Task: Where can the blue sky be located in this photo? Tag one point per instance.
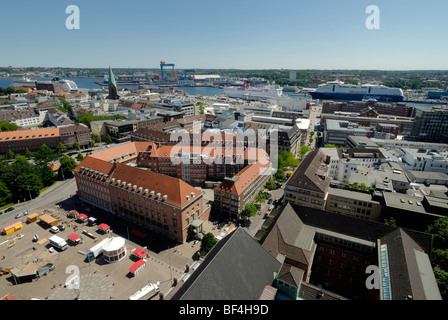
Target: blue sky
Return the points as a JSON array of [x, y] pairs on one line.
[[245, 34]]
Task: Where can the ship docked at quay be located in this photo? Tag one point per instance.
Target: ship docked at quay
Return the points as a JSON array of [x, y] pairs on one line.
[[248, 92], [338, 90], [67, 85]]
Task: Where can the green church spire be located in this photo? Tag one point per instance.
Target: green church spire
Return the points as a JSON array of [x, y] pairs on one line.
[[111, 77]]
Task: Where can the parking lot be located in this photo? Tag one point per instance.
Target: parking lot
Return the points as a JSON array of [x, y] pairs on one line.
[[98, 280]]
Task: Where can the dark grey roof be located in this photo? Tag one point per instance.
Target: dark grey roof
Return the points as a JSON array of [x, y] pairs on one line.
[[408, 250], [311, 292], [355, 227], [290, 237], [237, 268], [291, 275], [406, 261], [305, 176]]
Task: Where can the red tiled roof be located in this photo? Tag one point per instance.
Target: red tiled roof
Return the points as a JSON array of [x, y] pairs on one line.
[[30, 134], [128, 150], [136, 106], [243, 179], [175, 190]]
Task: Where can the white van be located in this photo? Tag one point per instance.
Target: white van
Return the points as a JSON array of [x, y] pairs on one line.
[[58, 243]]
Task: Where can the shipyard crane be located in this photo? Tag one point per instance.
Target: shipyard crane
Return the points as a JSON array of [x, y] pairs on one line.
[[162, 65], [190, 71]]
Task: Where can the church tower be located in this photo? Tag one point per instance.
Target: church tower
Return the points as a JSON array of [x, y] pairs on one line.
[[113, 90]]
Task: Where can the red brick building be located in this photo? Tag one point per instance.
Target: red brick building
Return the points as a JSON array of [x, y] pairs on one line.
[[77, 133], [205, 163], [369, 108], [20, 140], [112, 181]]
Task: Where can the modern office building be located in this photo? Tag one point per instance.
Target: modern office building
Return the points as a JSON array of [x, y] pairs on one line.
[[337, 131], [430, 125]]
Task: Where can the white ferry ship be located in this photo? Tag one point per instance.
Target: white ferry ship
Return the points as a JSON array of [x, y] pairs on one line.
[[253, 93], [68, 85], [338, 90]]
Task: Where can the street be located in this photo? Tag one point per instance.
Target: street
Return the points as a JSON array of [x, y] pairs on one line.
[[59, 191], [258, 220], [315, 113]]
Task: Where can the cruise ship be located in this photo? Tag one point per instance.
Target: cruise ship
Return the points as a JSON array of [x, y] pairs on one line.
[[68, 85], [253, 93], [24, 81], [337, 90]]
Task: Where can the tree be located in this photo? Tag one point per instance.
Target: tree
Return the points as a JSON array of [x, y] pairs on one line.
[[439, 230], [440, 258], [28, 185], [5, 194], [96, 138], [47, 175], [65, 105], [8, 126], [76, 146], [207, 243], [67, 164], [10, 154], [287, 159], [250, 210], [45, 154], [28, 153], [260, 198], [79, 157], [280, 175], [390, 222], [270, 184], [91, 144], [60, 149], [442, 281]]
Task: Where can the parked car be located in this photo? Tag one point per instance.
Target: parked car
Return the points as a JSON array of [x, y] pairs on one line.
[[21, 214], [269, 201], [221, 225], [9, 209], [54, 229], [61, 227]]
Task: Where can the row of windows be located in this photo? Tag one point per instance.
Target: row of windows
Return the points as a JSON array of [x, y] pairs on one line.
[[344, 243], [349, 208]]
